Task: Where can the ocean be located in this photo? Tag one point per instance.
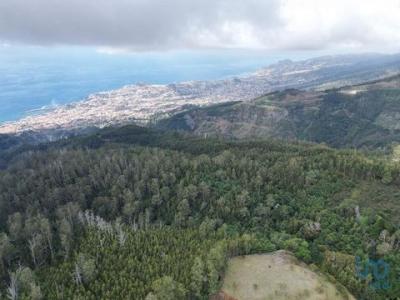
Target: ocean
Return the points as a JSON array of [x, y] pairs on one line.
[[36, 78]]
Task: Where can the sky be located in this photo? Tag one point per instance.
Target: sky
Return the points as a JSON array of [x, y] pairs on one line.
[[164, 25]]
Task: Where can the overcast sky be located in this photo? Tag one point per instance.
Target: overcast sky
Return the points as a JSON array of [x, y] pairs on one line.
[[143, 25]]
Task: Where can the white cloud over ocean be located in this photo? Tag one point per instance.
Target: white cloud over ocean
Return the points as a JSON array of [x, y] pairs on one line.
[[191, 24]]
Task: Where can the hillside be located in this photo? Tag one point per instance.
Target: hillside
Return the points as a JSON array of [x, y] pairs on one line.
[[365, 115], [138, 213], [141, 103]]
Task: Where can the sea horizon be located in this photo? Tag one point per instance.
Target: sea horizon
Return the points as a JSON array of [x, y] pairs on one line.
[[34, 79]]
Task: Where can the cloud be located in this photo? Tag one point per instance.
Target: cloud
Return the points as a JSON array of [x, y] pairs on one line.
[[342, 23], [172, 24], [147, 24]]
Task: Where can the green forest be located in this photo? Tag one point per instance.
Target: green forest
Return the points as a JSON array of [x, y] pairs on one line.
[[138, 213]]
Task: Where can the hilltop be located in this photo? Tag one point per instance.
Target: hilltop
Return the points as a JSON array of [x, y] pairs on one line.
[[277, 276]]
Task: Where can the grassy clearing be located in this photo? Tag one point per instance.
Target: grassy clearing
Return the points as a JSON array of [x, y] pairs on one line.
[[277, 276]]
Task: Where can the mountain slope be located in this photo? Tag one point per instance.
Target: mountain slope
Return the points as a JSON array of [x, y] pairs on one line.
[[112, 215], [365, 115]]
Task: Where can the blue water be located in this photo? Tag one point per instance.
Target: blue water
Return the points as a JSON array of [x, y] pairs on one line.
[[34, 77]]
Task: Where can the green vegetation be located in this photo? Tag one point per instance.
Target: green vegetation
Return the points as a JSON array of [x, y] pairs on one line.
[[135, 211], [118, 262]]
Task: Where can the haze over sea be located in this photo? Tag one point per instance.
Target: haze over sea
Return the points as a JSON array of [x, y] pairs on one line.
[[35, 78]]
